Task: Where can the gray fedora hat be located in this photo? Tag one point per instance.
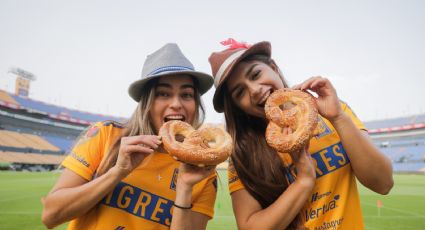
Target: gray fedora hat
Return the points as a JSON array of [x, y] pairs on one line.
[[168, 60]]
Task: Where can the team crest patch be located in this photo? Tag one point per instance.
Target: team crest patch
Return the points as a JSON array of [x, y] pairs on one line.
[[323, 128], [91, 132], [174, 180]]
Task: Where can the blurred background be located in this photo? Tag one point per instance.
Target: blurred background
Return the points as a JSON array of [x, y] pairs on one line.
[[67, 64]]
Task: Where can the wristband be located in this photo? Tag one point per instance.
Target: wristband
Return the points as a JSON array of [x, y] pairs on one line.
[[181, 207]]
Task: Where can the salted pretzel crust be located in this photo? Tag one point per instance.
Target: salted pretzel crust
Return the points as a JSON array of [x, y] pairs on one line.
[[209, 145], [302, 118]]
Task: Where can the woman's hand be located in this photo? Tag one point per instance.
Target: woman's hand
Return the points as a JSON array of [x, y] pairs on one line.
[[133, 151], [327, 101], [306, 169], [189, 175]]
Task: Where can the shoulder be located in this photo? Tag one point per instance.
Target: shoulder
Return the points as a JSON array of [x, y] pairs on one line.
[[111, 123], [100, 130]]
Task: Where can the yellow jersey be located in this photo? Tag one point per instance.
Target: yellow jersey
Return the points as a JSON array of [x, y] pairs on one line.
[[334, 202], [144, 199]]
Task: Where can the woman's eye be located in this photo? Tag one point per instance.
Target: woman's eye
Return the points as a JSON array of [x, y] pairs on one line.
[[187, 95], [162, 94], [239, 93], [255, 75]]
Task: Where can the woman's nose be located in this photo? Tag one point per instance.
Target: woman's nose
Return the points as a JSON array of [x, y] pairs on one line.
[[254, 91], [175, 103]]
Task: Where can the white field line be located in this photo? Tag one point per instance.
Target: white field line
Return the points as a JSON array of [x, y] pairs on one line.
[[392, 217], [395, 209], [381, 217]]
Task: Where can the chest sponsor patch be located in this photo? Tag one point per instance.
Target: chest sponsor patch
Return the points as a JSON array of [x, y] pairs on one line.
[[140, 203], [330, 159]]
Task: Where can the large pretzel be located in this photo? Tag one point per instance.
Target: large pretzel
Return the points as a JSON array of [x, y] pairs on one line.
[[206, 146], [290, 108]]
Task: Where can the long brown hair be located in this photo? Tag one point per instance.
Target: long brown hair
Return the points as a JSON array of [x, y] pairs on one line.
[[257, 164], [140, 122]]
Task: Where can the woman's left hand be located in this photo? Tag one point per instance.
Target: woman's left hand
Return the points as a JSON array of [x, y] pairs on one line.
[[327, 102], [190, 175]]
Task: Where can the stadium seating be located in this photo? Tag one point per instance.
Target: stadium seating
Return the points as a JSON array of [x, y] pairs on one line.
[[30, 158], [409, 167], [53, 111], [60, 142], [24, 140], [37, 133]]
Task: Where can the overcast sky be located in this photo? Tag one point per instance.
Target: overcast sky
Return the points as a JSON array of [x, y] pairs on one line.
[[85, 54]]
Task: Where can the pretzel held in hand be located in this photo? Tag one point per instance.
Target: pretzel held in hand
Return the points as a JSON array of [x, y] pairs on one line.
[[294, 109], [206, 146]]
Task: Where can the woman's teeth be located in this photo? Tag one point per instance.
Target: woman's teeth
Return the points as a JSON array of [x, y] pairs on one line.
[[174, 117], [264, 99]]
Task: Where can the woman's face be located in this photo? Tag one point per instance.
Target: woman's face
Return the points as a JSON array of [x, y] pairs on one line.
[[174, 100], [250, 84]]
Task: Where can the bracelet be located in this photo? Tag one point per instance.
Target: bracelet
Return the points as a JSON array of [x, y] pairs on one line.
[[181, 207]]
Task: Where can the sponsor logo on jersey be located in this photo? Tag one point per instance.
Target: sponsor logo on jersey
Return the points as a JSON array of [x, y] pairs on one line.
[[333, 224], [313, 213], [316, 196], [80, 159]]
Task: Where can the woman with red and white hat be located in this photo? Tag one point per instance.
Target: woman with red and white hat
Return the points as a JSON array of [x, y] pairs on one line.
[[117, 176], [265, 194]]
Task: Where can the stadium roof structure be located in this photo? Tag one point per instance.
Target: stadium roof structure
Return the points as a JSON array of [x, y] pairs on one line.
[[16, 102]]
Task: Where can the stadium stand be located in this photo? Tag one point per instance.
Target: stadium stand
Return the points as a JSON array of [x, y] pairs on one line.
[[402, 140], [35, 135]]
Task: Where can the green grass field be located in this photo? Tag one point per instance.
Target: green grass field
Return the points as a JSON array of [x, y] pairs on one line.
[[403, 208]]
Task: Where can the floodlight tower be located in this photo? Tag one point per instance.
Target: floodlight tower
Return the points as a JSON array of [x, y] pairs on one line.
[[23, 79]]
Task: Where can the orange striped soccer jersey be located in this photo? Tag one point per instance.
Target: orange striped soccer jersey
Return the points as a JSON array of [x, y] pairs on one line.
[[144, 199], [334, 202]]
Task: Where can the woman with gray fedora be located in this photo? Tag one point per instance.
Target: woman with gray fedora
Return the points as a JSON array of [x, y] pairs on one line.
[[117, 175]]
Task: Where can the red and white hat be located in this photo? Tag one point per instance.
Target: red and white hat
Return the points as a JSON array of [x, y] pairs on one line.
[[223, 62]]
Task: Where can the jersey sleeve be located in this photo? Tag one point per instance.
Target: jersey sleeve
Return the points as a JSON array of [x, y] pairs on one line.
[[235, 183], [88, 151], [205, 200], [352, 115]]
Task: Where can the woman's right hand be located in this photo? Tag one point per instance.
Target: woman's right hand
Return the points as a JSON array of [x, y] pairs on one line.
[[306, 169], [133, 150]]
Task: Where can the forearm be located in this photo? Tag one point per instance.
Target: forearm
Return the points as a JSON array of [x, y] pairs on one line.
[[181, 217], [69, 203], [282, 212], [371, 167]]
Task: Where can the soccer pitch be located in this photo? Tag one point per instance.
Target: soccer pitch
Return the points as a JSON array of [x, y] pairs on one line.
[[403, 208]]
